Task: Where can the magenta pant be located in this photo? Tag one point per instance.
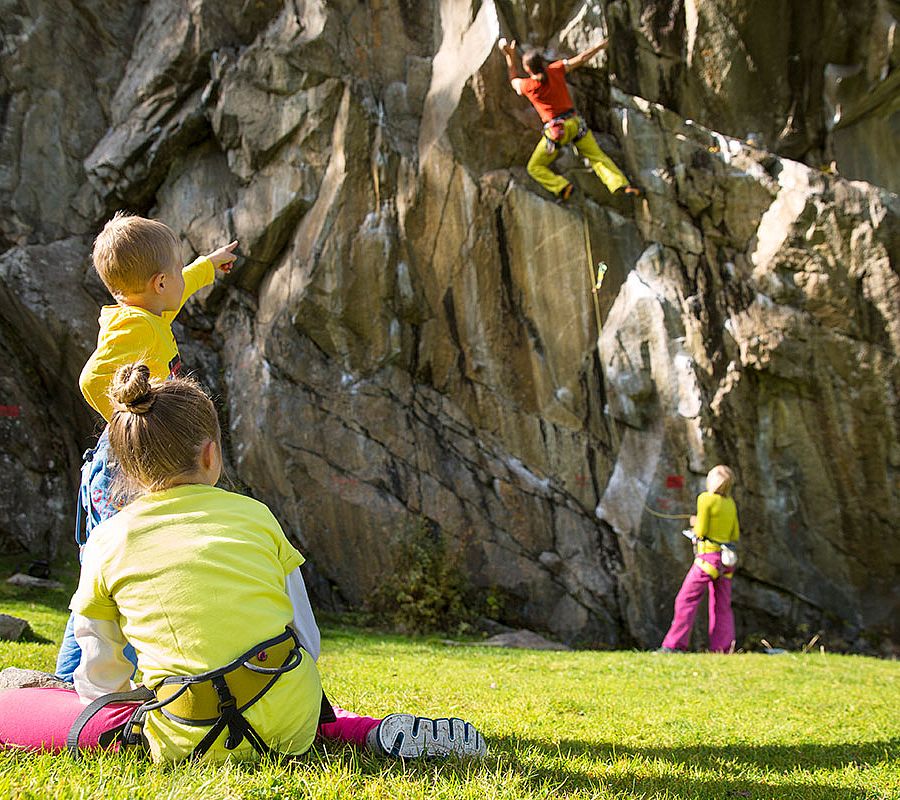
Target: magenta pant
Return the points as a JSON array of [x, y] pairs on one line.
[[721, 621], [39, 719]]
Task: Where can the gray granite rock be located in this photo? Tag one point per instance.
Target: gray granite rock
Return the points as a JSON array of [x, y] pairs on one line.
[[16, 678], [30, 582], [12, 628], [412, 331], [524, 640]]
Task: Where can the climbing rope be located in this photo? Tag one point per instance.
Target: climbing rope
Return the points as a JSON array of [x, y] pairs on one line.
[[594, 282], [665, 516]]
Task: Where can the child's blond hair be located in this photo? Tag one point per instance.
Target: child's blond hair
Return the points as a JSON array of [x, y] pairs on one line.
[[130, 250], [158, 428], [720, 480]]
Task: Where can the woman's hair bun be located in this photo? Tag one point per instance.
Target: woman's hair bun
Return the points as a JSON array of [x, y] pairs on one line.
[[131, 388]]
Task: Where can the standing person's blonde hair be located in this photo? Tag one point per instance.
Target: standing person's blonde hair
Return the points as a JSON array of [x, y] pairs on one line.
[[130, 250], [159, 428], [720, 480]]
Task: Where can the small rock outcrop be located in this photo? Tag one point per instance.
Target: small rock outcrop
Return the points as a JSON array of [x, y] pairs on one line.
[[412, 332], [12, 628]]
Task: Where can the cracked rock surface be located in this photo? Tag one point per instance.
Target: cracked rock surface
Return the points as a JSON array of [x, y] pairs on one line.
[[412, 331]]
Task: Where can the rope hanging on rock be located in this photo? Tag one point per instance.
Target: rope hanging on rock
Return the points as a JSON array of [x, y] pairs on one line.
[[594, 282], [665, 516]]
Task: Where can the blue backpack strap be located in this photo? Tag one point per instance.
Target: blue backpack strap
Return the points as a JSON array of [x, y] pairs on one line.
[[83, 523], [95, 502]]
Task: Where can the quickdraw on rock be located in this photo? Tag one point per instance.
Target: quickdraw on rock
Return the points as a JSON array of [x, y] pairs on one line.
[[601, 272], [216, 699]]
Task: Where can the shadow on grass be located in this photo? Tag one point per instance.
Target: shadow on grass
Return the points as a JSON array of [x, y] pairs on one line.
[[567, 776], [779, 759], [34, 638]]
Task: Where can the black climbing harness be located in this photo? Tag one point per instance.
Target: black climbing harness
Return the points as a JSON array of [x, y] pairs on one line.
[[216, 698]]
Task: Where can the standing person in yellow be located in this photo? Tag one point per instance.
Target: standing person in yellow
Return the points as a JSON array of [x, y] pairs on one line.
[[716, 531], [207, 588], [546, 88], [139, 261]]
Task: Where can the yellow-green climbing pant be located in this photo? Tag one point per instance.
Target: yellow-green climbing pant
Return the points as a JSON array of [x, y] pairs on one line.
[[602, 164]]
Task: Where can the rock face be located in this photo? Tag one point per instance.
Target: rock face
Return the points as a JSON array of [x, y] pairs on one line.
[[412, 332]]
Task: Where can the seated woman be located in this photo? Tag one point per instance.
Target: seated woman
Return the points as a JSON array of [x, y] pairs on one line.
[[206, 587]]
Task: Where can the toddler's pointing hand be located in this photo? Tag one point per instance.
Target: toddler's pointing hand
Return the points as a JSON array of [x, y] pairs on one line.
[[223, 259]]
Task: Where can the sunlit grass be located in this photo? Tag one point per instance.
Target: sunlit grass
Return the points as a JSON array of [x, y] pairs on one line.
[[583, 724]]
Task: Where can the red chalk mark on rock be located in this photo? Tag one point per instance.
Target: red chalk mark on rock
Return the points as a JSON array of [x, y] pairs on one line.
[[342, 480], [664, 503], [674, 481], [581, 480], [12, 412]]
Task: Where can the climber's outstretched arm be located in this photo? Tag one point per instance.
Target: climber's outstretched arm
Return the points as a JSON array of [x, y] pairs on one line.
[[587, 55], [512, 70]]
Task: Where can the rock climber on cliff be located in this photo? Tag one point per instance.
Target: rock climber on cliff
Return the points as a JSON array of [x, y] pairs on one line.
[[546, 88]]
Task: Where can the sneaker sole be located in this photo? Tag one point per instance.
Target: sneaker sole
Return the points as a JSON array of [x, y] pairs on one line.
[[407, 736]]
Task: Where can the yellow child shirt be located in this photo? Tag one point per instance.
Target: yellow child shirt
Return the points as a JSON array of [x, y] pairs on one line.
[[716, 518], [129, 334], [195, 576]]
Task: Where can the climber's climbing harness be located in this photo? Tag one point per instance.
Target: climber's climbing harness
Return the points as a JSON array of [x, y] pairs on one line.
[[214, 699], [555, 130], [712, 571]]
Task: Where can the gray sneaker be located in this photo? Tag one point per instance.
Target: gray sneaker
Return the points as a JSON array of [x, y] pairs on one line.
[[406, 736]]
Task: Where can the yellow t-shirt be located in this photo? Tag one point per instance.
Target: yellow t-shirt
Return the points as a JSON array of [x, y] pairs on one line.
[[716, 518], [129, 334], [194, 576]]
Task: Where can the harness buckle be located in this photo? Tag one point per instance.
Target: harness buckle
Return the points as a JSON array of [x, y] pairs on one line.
[[227, 703], [134, 731]]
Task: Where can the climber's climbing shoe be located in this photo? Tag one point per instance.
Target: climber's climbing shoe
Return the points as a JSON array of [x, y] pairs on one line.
[[566, 193]]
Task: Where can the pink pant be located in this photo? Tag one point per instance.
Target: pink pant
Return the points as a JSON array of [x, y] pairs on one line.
[[39, 719], [721, 620]]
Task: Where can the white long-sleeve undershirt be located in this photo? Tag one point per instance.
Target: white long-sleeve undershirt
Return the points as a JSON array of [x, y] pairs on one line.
[[103, 668], [304, 620]]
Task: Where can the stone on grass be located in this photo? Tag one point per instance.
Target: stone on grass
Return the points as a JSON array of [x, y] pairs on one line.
[[12, 628], [17, 678], [525, 640], [30, 582]]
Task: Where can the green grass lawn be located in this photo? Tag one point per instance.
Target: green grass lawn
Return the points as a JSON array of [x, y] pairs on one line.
[[584, 724]]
